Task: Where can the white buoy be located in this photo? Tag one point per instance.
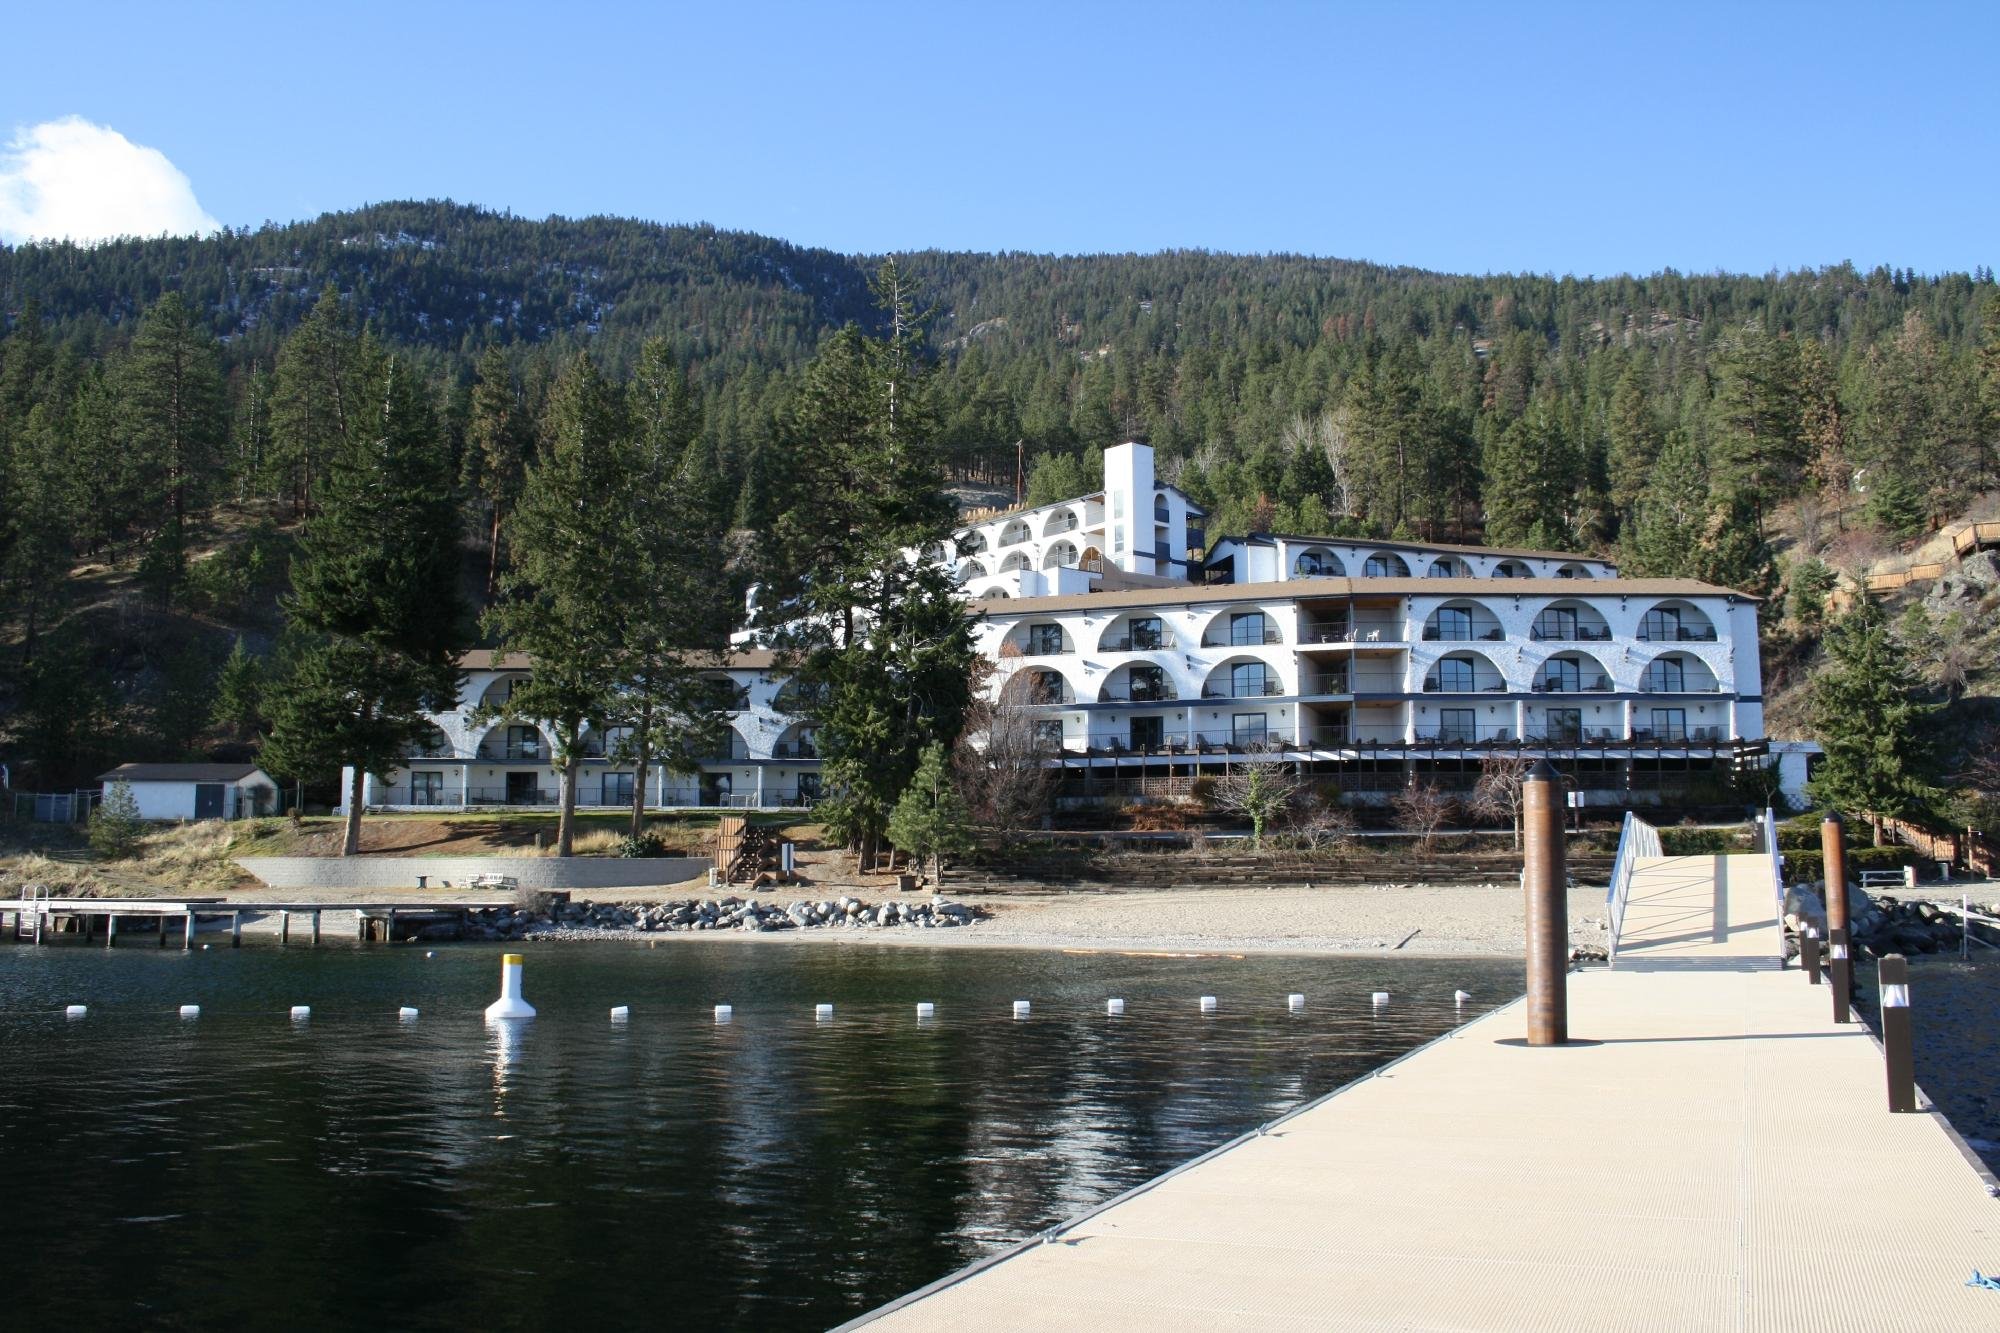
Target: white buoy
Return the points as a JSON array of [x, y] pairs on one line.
[[1020, 1008], [723, 1013], [1381, 997], [406, 1013], [925, 1009], [77, 1010], [301, 1012], [1295, 1001], [430, 953], [204, 948], [1114, 1006], [620, 1012], [190, 1011], [822, 1011], [510, 1004], [1208, 1004], [1460, 997]]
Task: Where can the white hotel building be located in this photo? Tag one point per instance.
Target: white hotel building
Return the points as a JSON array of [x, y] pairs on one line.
[[1146, 660]]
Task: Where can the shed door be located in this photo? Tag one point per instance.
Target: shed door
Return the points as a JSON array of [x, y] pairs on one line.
[[208, 800]]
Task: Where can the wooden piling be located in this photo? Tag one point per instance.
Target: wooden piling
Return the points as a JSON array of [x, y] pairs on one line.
[[110, 929], [187, 935], [315, 928], [284, 926], [1544, 877], [236, 930], [1833, 856]]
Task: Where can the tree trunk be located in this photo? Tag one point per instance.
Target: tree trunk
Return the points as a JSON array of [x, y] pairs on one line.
[[642, 754], [493, 551], [566, 821], [350, 840]]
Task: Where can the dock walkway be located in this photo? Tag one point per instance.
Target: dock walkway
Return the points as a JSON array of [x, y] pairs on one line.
[[1711, 1152]]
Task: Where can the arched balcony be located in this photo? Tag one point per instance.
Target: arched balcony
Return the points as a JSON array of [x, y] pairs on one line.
[[1464, 673], [1137, 632], [1676, 622], [797, 699], [1512, 569], [1039, 639], [1063, 555], [993, 595], [1463, 621], [500, 690], [1317, 562], [1571, 673], [1677, 673], [1385, 565], [1017, 560], [1014, 533], [970, 543], [514, 741], [1037, 687], [433, 744], [734, 749], [1570, 621], [796, 742], [1062, 520], [1448, 567], [1139, 683], [1243, 678], [1241, 629], [1572, 570], [969, 571], [730, 694]]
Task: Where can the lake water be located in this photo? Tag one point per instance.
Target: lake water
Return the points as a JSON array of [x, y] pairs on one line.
[[1953, 1007], [775, 1172]]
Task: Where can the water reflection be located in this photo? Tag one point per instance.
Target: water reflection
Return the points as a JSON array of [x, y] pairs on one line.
[[769, 1172]]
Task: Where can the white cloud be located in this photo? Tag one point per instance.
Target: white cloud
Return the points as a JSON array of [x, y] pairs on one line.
[[71, 179]]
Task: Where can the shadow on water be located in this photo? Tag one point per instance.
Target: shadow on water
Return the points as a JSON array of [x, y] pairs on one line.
[[772, 1172]]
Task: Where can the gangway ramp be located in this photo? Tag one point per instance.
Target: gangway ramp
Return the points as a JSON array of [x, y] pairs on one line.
[[1722, 910]]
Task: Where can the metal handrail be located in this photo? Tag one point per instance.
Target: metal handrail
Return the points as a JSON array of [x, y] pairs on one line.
[[1636, 838], [1777, 859]]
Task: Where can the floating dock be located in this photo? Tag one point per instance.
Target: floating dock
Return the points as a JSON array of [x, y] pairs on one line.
[[37, 919], [1711, 1151]]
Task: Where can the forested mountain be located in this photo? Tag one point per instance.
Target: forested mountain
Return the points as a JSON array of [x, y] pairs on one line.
[[161, 400]]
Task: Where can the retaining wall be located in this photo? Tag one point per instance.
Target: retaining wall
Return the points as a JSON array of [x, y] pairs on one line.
[[400, 872]]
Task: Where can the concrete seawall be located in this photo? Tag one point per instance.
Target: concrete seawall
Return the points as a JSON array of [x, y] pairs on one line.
[[531, 872]]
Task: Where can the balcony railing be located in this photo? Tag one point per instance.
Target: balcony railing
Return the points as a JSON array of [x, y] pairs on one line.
[[1050, 696], [1139, 692], [1331, 683], [1444, 634], [1573, 634], [1653, 685], [1435, 686], [1683, 634], [1243, 689], [516, 750], [1153, 642], [1046, 649], [1241, 638], [1560, 685], [794, 750], [1014, 538], [1678, 735], [1067, 523]]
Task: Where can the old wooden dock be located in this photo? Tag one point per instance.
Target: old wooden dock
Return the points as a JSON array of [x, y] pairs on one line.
[[37, 920]]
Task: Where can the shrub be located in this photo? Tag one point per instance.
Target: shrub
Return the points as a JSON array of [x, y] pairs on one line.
[[1696, 841], [115, 824], [1802, 865], [641, 846], [1201, 791]]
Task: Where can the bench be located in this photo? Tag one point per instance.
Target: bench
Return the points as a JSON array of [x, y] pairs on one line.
[[1889, 879]]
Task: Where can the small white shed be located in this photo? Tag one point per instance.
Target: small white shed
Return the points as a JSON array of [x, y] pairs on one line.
[[196, 791]]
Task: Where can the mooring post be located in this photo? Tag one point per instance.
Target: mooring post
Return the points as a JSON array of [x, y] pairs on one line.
[[236, 930], [315, 928], [284, 925], [187, 933], [389, 931], [361, 925], [1809, 953], [1545, 878], [1833, 856], [1898, 1043], [110, 930]]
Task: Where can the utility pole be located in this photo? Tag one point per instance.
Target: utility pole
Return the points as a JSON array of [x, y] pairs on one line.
[[1020, 449]]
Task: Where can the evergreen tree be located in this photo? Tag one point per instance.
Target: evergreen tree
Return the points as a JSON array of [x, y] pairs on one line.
[[239, 694], [115, 826], [1868, 711], [1759, 451], [1671, 518], [375, 607], [930, 821], [497, 440], [169, 392], [1532, 476], [1635, 440], [572, 542], [317, 393]]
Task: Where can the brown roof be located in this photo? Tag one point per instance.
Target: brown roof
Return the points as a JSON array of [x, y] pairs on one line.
[[487, 659], [1448, 548], [1295, 589], [179, 773]]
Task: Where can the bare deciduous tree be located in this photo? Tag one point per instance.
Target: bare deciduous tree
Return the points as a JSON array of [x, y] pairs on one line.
[[1001, 763], [1327, 433], [1423, 809], [1499, 793], [1322, 825], [1260, 790]]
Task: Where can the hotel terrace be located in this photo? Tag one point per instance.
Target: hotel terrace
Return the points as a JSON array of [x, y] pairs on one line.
[[1145, 661]]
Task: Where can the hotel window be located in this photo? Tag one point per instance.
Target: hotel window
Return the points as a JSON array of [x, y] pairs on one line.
[[1148, 683], [1376, 567], [1049, 735], [1670, 724], [1249, 728], [524, 743], [1248, 680], [1666, 676], [1148, 733], [618, 789], [1248, 628], [1661, 625], [1045, 640], [1454, 675], [1147, 633], [426, 789], [1457, 725], [1117, 504], [1561, 675], [1565, 724], [1454, 624], [1558, 622]]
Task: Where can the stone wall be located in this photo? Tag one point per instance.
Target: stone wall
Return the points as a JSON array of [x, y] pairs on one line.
[[400, 872]]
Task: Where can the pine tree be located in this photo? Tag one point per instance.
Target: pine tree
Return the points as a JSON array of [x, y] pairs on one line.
[[115, 826], [930, 821], [317, 398], [169, 392], [1759, 451], [1867, 707], [1671, 516], [239, 694], [497, 440], [573, 548], [376, 615], [1635, 440], [1532, 476]]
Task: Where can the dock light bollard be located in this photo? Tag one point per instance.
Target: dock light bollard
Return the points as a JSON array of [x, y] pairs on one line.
[[1809, 953], [1833, 857], [1114, 1007], [1020, 1008], [510, 1004], [1898, 1043], [1545, 880], [1840, 973], [1208, 1004]]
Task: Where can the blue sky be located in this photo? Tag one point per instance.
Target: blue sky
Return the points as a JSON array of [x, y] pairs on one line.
[[1587, 139]]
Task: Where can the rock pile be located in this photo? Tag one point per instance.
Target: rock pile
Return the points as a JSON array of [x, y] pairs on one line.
[[1880, 925], [587, 920]]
